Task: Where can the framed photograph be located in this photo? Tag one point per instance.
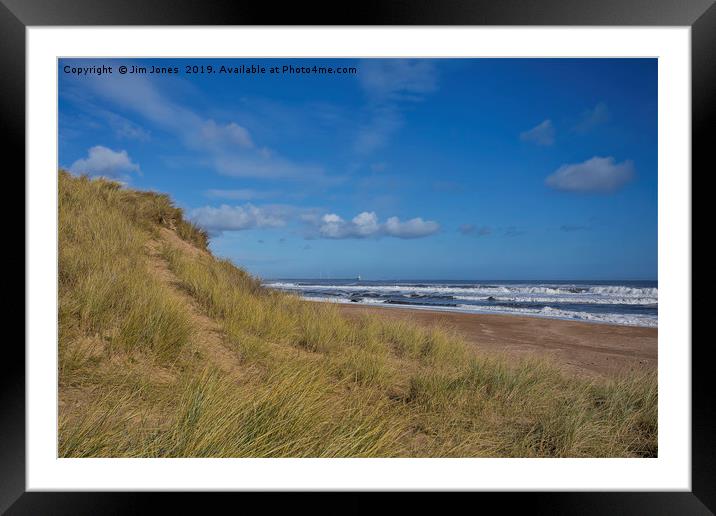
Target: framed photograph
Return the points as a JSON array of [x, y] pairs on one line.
[[418, 248]]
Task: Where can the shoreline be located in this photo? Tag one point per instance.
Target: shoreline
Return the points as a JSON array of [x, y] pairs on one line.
[[583, 348], [440, 309]]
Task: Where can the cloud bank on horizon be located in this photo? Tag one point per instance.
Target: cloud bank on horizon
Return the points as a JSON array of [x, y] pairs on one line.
[[419, 150]]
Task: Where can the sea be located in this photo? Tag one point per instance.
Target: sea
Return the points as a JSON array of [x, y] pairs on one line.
[[629, 303]]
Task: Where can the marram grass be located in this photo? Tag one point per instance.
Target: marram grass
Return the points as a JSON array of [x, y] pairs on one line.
[[141, 376]]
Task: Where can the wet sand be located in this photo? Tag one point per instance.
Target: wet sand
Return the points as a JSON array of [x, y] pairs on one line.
[[581, 348]]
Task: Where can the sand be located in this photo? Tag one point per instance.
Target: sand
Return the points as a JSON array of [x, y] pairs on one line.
[[580, 348]]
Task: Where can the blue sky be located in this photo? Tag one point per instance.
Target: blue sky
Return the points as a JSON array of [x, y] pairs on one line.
[[406, 169]]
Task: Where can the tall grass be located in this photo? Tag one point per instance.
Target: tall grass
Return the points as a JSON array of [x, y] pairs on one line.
[[105, 287], [310, 382]]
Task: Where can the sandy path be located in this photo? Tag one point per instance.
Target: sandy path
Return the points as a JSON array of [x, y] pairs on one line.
[[208, 336], [583, 348]]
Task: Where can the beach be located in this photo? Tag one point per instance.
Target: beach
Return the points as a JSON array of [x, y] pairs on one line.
[[580, 348]]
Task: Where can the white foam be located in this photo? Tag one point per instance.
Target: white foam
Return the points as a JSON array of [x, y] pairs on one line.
[[576, 298], [511, 293], [546, 312], [556, 313]]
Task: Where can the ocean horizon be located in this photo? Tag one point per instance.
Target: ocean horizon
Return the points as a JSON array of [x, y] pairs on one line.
[[621, 302]]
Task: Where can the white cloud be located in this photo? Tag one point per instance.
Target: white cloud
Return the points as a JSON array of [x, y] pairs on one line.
[[413, 228], [332, 226], [101, 161], [513, 231], [366, 225], [124, 128], [384, 122], [388, 85], [255, 165], [228, 147], [241, 194], [329, 225], [601, 175], [568, 228], [230, 134], [591, 118], [472, 229], [398, 79], [542, 134], [237, 218]]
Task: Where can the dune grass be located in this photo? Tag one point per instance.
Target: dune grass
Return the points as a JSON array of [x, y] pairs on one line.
[[307, 382]]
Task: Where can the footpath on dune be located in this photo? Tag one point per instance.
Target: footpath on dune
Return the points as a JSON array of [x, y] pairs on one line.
[[208, 335]]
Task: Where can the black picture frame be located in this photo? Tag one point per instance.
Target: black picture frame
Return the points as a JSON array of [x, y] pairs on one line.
[[16, 15]]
